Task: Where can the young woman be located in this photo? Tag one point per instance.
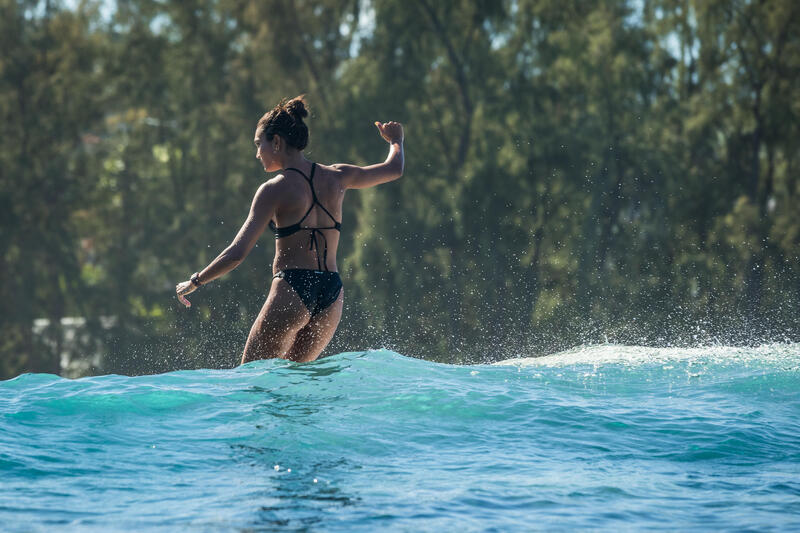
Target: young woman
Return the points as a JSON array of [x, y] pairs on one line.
[[303, 207]]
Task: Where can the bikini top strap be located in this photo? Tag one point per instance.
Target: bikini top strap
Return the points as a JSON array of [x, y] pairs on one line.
[[316, 200], [311, 184], [301, 172]]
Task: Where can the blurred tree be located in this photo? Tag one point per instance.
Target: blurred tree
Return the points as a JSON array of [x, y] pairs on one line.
[[576, 172], [49, 96]]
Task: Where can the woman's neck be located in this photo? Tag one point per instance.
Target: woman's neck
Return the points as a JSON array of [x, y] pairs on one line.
[[295, 160]]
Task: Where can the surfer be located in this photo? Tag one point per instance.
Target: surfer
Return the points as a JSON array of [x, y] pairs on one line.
[[302, 205]]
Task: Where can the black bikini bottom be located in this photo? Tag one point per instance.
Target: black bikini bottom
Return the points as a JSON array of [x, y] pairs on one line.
[[318, 289]]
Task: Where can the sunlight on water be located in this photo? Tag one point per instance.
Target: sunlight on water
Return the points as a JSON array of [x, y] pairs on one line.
[[637, 355]]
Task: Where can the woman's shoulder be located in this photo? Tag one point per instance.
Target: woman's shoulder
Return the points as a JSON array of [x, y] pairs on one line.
[[337, 172], [280, 182], [284, 188], [276, 186], [324, 176]]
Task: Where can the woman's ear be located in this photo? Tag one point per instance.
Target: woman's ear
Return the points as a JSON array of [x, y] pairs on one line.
[[276, 144]]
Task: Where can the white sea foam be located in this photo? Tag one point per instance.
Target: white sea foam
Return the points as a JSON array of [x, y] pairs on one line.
[[636, 355]]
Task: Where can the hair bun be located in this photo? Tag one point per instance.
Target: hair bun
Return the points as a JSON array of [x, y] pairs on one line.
[[296, 107], [286, 120]]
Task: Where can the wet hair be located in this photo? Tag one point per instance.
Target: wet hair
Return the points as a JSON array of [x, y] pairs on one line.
[[286, 120]]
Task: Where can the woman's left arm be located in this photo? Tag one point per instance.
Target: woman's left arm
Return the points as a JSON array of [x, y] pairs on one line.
[[261, 212]]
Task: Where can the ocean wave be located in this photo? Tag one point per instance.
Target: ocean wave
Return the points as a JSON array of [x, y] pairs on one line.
[[595, 437]]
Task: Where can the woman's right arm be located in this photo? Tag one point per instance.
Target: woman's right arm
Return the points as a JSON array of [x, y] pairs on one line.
[[261, 212], [355, 177]]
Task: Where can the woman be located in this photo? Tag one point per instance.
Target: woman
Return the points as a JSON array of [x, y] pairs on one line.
[[303, 207]]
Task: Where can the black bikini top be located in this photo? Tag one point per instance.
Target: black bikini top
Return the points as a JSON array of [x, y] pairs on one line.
[[294, 228]]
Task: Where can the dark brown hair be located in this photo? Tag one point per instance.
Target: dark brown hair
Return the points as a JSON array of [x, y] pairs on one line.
[[286, 120]]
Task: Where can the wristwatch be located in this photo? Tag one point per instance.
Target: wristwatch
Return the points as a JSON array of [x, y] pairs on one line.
[[195, 279]]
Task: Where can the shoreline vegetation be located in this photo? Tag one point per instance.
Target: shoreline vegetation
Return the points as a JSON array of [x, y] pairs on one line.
[[576, 173]]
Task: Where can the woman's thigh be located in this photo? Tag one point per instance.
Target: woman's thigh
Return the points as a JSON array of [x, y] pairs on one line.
[[312, 338], [275, 328]]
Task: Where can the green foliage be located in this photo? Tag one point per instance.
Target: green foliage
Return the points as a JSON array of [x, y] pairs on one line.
[[576, 172]]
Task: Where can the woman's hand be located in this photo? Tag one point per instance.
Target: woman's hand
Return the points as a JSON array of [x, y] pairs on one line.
[[392, 132], [183, 288]]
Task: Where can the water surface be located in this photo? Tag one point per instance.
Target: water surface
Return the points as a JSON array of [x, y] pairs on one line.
[[600, 437]]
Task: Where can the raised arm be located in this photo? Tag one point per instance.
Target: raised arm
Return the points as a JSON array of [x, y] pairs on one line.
[[355, 177], [261, 212]]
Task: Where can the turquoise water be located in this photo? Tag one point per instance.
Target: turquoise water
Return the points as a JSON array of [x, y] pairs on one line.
[[601, 437]]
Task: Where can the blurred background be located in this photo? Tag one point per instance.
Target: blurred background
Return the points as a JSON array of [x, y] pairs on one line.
[[576, 172]]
